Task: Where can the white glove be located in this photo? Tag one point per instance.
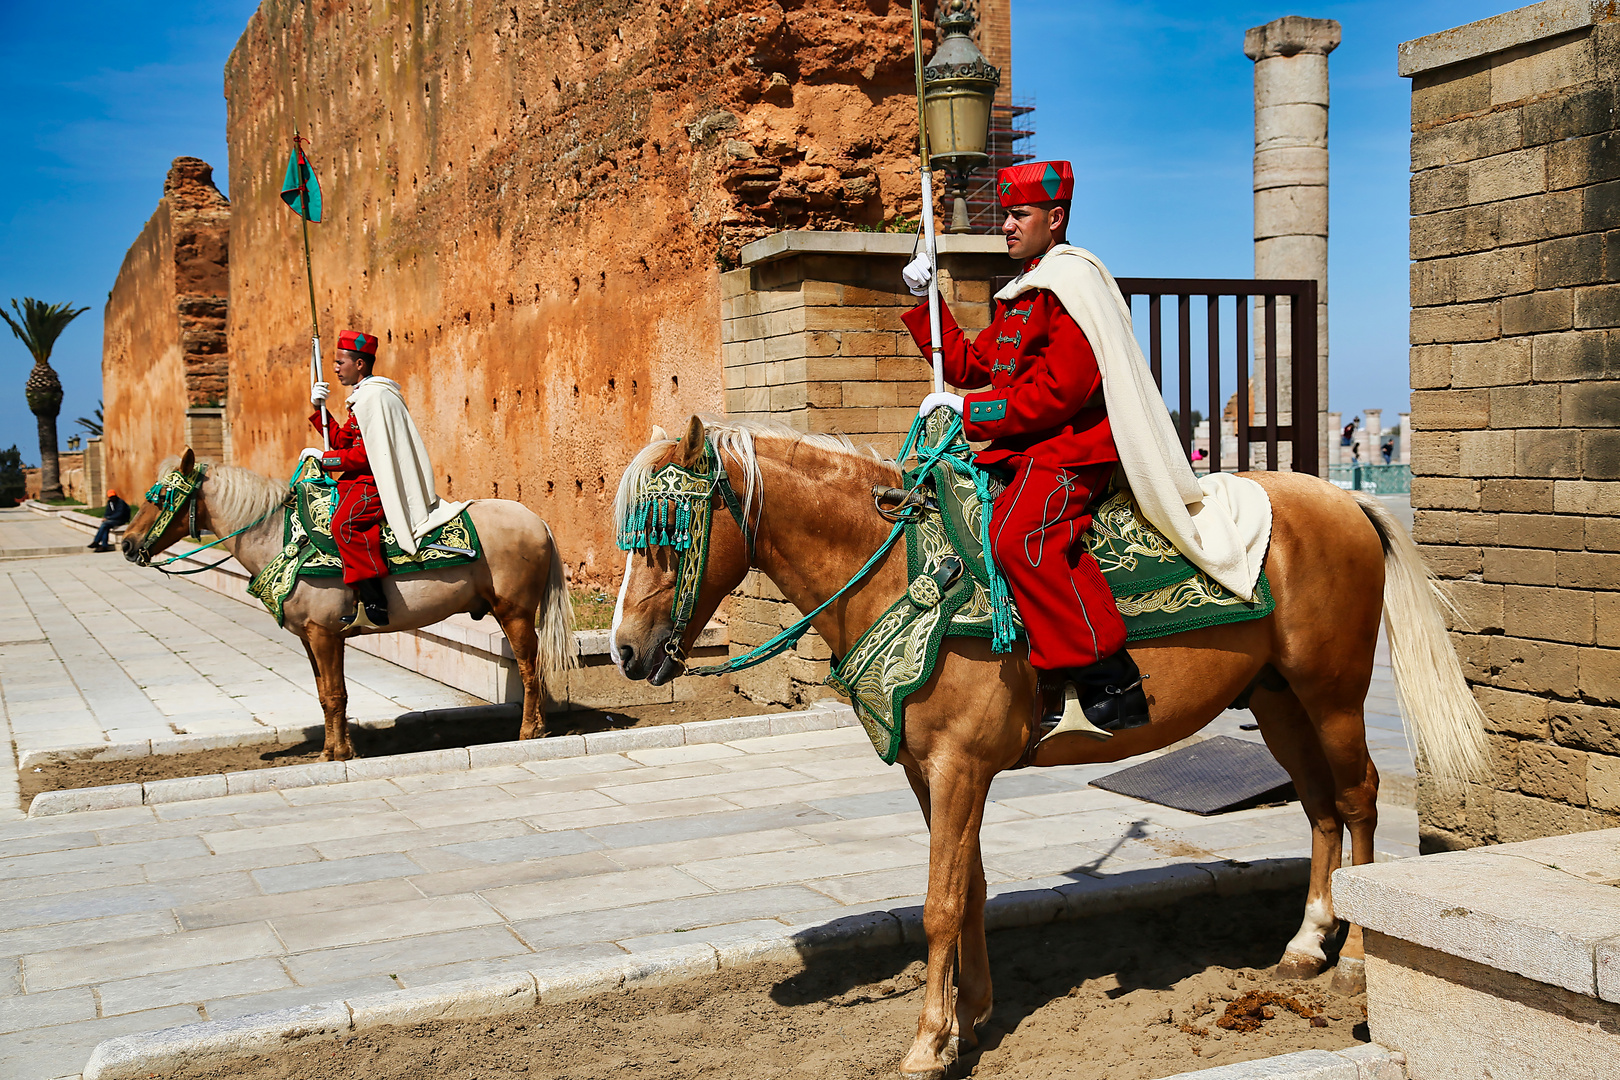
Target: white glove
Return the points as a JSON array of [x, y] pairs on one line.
[[917, 274], [318, 393], [310, 452], [952, 402]]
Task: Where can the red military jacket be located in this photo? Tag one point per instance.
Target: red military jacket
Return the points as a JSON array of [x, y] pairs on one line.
[[1045, 396], [347, 457]]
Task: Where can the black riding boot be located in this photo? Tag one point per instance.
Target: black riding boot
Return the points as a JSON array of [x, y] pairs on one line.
[[1110, 694], [370, 594]]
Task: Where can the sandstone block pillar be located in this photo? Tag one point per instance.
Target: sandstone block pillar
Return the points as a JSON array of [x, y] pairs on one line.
[[95, 474], [813, 340], [207, 434], [1290, 57], [1515, 424]]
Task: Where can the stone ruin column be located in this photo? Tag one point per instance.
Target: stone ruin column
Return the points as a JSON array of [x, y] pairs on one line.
[[1290, 57], [1370, 454]]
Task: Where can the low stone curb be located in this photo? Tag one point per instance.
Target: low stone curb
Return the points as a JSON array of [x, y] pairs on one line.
[[132, 1057], [1369, 1061], [821, 716], [42, 552]]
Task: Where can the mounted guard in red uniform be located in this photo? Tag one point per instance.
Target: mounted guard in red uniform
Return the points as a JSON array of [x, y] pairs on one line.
[[383, 475], [1049, 436]]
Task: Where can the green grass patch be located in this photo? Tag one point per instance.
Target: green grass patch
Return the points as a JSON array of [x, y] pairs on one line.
[[593, 610]]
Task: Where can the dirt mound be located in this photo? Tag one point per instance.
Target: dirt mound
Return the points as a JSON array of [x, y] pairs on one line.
[[1117, 997]]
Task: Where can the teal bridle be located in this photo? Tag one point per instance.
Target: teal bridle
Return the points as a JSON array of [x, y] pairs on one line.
[[675, 509], [172, 493]]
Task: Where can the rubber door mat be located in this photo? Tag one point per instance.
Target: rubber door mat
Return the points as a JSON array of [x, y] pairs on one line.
[[1210, 777]]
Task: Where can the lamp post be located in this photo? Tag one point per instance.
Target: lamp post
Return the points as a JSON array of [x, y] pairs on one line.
[[960, 85]]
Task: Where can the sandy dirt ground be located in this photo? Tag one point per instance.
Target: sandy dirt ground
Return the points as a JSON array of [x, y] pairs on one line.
[[404, 739], [1133, 996]]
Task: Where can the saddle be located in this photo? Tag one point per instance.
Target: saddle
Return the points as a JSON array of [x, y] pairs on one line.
[[308, 549], [1158, 591]]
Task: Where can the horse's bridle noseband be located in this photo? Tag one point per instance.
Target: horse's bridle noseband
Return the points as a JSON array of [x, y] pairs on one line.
[[172, 493]]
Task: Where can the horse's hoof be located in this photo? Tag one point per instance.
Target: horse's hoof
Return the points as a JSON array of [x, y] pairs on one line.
[[947, 1063], [1298, 965], [1350, 977]]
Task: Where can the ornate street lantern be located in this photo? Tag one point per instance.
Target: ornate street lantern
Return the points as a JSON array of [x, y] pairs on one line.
[[960, 87]]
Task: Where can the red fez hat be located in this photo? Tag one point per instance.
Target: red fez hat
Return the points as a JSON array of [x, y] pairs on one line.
[[1035, 182], [358, 342]]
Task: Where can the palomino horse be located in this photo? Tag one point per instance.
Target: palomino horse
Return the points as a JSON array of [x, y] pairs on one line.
[[1335, 563], [520, 579]]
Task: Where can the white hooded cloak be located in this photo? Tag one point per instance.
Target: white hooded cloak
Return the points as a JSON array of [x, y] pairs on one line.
[[399, 462], [1222, 522]]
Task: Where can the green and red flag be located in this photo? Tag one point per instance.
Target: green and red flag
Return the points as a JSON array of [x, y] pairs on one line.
[[300, 190]]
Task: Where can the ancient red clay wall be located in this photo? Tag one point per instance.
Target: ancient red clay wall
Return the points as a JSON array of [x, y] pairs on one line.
[[531, 204], [163, 348]]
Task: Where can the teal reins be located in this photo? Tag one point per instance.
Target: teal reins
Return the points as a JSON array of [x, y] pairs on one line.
[[682, 498], [178, 491]]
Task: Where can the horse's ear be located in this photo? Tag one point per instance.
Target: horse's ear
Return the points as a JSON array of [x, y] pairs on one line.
[[188, 462], [659, 434], [693, 446]]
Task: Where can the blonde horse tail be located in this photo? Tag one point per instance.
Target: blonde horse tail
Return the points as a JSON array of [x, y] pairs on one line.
[[557, 651], [1446, 721]]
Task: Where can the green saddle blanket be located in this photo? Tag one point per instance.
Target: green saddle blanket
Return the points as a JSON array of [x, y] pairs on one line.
[[308, 549], [1158, 592]]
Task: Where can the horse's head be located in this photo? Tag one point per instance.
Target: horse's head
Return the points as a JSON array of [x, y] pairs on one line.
[[173, 508], [679, 519]]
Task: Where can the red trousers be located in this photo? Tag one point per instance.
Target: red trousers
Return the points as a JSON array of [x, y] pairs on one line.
[[1035, 535], [357, 529]]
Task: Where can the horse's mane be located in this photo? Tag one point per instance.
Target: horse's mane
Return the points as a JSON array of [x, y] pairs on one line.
[[735, 438], [236, 497]]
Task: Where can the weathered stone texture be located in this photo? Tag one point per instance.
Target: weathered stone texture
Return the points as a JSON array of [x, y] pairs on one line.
[[531, 205], [1515, 241], [164, 348]]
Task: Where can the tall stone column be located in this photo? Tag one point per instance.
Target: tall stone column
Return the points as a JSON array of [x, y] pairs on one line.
[[1290, 57]]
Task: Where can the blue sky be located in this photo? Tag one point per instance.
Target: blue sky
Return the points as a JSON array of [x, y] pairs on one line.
[[1152, 101]]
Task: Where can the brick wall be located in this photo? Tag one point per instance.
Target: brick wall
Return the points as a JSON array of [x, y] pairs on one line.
[[1515, 241], [163, 351], [813, 339], [530, 204]]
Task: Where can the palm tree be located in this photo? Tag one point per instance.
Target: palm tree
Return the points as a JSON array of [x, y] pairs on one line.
[[38, 326], [93, 427]]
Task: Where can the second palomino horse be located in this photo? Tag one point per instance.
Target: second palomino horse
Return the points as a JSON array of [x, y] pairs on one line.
[[519, 579], [1337, 563]]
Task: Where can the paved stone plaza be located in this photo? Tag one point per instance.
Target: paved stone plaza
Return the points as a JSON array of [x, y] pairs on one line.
[[97, 652], [126, 920], [25, 534], [116, 921]]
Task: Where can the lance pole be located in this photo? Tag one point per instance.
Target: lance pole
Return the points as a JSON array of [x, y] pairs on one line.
[[929, 243], [309, 277]]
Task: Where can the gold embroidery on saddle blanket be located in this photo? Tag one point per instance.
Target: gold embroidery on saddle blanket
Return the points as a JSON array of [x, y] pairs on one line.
[[310, 508], [1157, 590]]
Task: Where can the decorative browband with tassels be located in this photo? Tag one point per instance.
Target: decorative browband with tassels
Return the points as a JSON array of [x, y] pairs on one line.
[[661, 514]]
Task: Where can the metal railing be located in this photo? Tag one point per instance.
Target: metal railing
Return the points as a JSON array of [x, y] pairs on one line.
[[1377, 479], [1303, 433]]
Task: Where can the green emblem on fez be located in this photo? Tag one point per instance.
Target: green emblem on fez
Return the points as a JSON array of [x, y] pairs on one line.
[[1006, 186], [1051, 181]]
